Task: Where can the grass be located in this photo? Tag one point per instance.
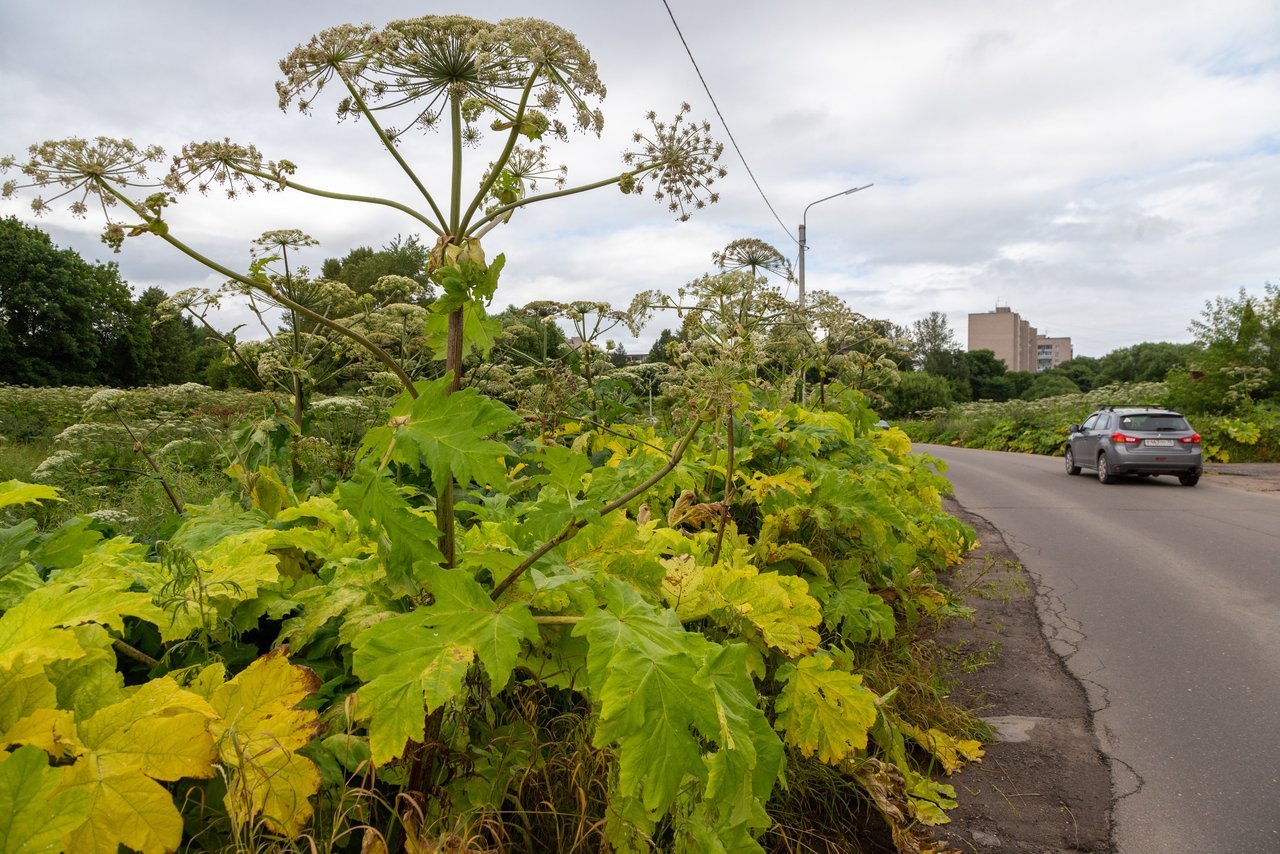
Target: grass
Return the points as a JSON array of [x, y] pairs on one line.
[[19, 459]]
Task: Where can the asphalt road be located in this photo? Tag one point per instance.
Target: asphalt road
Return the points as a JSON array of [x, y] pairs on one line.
[[1165, 602]]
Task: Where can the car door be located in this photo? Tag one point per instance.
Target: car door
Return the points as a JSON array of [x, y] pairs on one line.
[[1085, 446]]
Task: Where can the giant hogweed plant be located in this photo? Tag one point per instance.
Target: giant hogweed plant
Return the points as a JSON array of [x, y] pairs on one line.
[[704, 638], [525, 76], [607, 576]]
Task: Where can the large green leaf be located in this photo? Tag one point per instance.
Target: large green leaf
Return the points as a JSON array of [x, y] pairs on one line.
[[34, 814], [37, 628], [66, 546], [414, 663], [406, 535], [824, 710], [15, 542], [663, 695], [858, 614], [446, 432], [16, 492]]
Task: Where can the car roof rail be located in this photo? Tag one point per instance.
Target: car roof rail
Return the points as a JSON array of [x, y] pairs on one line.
[[1112, 407]]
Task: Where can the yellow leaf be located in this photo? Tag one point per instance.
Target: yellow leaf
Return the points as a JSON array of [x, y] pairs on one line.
[[258, 729], [683, 586], [824, 711], [14, 492], [951, 752], [126, 808], [23, 693], [276, 785], [761, 485], [146, 731], [778, 606], [37, 629], [51, 730], [893, 441]]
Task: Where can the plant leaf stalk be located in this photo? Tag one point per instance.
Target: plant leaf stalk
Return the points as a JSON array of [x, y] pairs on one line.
[[571, 530]]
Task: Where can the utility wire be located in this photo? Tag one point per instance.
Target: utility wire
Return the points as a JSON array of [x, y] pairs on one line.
[[725, 124]]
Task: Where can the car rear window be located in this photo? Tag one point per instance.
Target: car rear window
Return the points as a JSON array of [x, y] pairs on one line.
[[1165, 421]]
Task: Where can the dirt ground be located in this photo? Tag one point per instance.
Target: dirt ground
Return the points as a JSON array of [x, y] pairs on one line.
[[1254, 477], [1045, 786]]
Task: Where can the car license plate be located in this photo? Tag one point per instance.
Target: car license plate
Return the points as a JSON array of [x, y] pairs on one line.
[[1160, 443]]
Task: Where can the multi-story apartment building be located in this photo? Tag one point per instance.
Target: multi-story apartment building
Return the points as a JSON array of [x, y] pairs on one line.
[[1051, 352], [1015, 341]]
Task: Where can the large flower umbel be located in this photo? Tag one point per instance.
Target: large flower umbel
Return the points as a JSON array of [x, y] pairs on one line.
[[681, 156], [83, 169]]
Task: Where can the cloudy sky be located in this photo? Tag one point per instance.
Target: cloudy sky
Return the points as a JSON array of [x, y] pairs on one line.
[[1101, 166]]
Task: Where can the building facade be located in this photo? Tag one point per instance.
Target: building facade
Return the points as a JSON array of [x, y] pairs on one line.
[[1051, 352], [1015, 341]]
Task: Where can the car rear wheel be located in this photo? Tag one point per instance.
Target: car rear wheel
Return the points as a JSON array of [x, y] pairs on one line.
[[1104, 470], [1189, 479], [1072, 468]]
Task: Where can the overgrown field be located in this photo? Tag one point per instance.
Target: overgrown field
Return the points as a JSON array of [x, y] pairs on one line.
[[1040, 426], [639, 638]]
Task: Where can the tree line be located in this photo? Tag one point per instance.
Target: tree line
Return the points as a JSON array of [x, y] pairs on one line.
[[1231, 366]]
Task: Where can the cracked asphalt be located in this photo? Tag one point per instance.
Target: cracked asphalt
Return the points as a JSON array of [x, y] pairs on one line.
[[1159, 603]]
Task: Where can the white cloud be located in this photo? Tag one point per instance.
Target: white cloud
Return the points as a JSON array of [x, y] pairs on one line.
[[1101, 167]]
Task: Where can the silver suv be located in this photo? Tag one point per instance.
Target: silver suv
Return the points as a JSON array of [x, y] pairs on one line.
[[1145, 441]]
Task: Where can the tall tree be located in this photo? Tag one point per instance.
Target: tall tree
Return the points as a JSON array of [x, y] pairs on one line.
[[658, 352], [1146, 362], [933, 340], [60, 314], [1239, 365], [175, 342], [362, 267], [986, 375]]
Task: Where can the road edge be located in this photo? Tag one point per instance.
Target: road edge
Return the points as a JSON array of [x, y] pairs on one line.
[[1045, 787]]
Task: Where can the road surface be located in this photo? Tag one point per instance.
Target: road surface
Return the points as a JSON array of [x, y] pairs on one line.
[[1165, 602]]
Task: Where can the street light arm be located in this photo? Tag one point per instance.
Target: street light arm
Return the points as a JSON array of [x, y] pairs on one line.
[[804, 219]]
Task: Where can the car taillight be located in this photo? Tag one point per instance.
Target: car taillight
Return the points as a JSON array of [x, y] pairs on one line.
[[1193, 439], [1122, 439]]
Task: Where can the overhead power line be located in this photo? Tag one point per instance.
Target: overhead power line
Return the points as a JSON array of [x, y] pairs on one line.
[[725, 124]]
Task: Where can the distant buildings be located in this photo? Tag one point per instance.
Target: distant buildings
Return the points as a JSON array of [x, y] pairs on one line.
[[1015, 341]]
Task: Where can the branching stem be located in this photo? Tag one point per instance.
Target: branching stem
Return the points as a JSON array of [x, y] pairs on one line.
[[571, 530], [391, 149], [262, 287]]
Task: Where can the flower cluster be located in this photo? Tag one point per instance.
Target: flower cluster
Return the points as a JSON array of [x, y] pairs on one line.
[[234, 167], [752, 254], [426, 62], [92, 171], [681, 156]]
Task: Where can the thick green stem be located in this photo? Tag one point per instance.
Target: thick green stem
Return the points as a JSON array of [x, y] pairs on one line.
[[391, 149], [729, 486], [497, 213], [501, 162], [348, 197], [571, 530]]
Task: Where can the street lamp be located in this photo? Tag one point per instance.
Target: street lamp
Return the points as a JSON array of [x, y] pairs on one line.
[[804, 219]]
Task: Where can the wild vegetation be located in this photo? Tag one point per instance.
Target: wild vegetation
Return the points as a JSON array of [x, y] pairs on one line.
[[511, 596], [1227, 383]]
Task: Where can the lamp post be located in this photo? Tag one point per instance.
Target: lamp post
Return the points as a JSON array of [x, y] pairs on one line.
[[804, 219], [800, 277]]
